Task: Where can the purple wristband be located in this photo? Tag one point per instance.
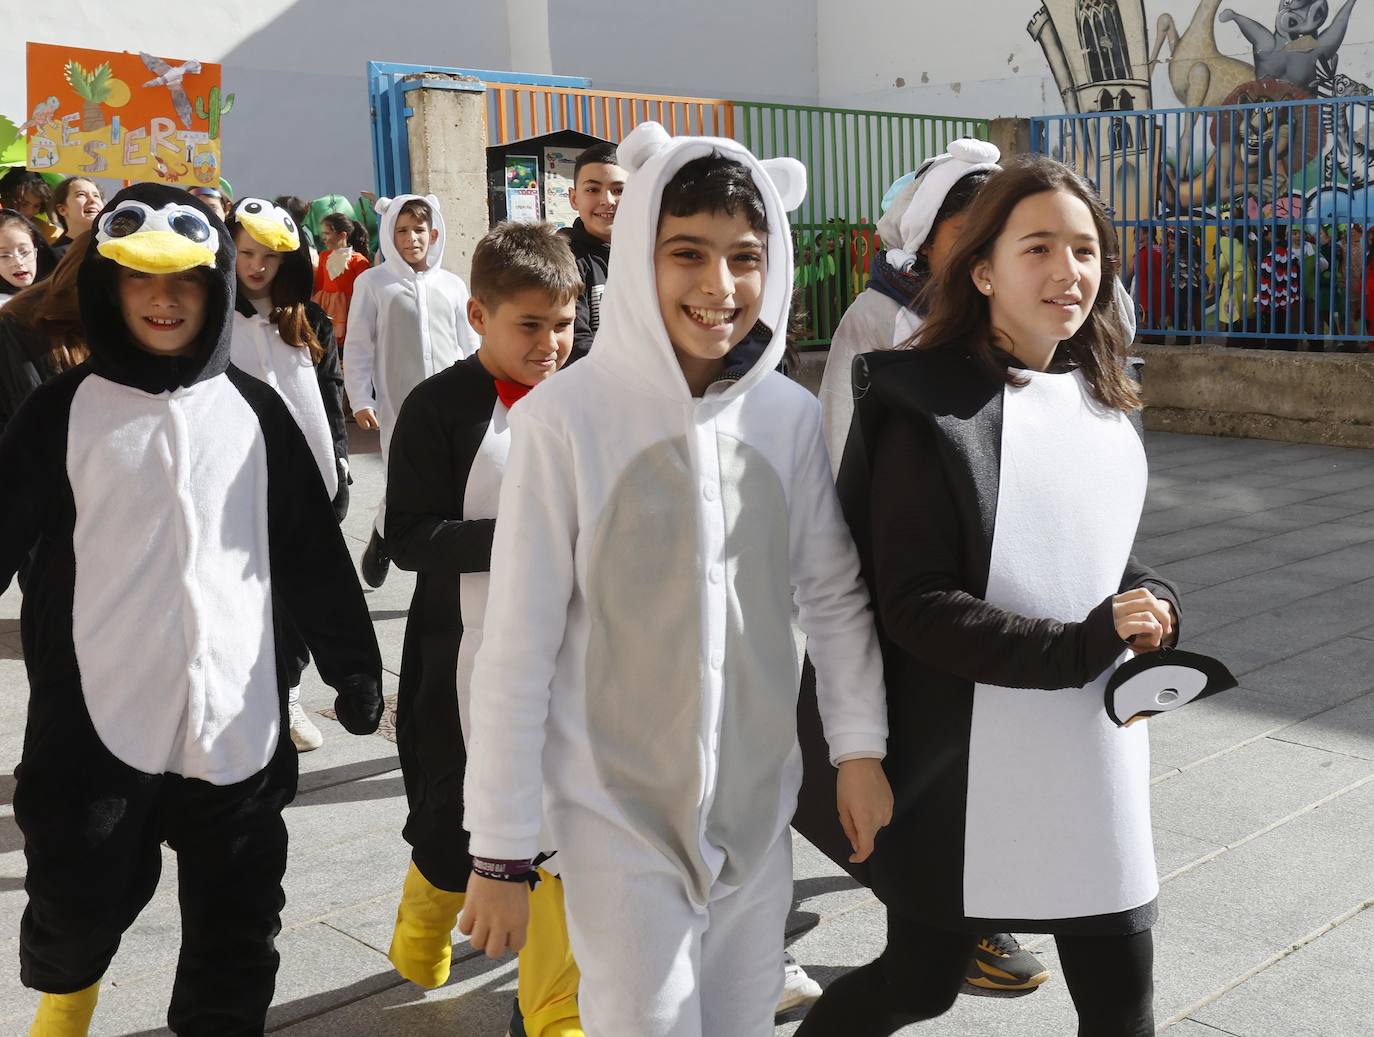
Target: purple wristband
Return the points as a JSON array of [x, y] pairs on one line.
[[502, 871]]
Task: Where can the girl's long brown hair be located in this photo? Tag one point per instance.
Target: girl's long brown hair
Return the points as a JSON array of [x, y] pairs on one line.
[[49, 309], [959, 317], [293, 322]]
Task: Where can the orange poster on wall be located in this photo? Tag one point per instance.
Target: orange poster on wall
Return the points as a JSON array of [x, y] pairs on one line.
[[123, 116]]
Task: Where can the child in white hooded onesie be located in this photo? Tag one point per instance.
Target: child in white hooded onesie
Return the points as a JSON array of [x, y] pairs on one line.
[[637, 682]]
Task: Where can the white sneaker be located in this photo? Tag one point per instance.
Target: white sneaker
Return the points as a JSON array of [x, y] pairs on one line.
[[304, 734], [798, 989]]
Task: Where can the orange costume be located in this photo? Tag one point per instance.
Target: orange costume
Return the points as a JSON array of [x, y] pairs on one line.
[[334, 276]]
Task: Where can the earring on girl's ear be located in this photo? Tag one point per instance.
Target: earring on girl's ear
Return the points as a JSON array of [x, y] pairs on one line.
[[987, 287]]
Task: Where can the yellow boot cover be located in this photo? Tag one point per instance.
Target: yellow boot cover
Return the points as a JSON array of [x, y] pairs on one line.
[[422, 943], [548, 979], [65, 1015]]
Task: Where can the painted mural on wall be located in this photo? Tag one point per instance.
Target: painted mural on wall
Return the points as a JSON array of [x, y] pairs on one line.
[[1103, 57]]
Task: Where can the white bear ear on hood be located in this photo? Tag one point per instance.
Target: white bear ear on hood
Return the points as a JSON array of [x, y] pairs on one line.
[[789, 177], [641, 144], [381, 205], [433, 200]]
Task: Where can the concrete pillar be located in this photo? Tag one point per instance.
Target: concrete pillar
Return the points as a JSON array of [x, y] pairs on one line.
[[1012, 136], [448, 158]]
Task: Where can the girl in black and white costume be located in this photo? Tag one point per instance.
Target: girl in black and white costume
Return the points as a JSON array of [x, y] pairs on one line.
[[287, 341], [173, 509], [994, 479]]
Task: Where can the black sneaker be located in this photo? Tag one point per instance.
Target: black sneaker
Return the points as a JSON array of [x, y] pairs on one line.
[[1001, 963], [517, 1021], [376, 562]]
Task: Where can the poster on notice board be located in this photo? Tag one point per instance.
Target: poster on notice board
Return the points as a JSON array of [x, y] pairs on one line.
[[559, 167], [522, 188]]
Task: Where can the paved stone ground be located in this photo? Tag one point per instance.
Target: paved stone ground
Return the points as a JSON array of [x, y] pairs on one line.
[[1263, 799]]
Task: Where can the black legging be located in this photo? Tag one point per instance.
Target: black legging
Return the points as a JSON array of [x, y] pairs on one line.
[[918, 976]]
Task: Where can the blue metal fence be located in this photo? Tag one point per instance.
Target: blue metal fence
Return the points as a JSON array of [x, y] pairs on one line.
[[1249, 223]]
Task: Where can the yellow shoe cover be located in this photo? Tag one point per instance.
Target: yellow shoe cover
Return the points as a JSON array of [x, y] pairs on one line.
[[422, 943], [548, 975], [65, 1015]]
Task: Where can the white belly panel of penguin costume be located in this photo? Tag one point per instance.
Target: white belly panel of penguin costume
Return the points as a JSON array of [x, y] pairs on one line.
[[480, 498], [1080, 844], [182, 678], [258, 350]]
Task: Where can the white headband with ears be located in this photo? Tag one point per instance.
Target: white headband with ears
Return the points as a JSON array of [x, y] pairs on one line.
[[649, 138]]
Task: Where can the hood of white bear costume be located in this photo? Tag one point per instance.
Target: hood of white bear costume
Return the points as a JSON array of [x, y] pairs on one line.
[[632, 337], [388, 212]]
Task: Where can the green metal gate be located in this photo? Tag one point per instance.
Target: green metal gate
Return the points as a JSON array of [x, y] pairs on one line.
[[851, 158]]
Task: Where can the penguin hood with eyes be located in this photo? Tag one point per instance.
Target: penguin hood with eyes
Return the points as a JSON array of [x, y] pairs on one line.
[[156, 229], [389, 211], [272, 226], [631, 318]]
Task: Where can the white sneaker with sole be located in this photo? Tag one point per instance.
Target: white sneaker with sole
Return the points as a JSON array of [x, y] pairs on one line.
[[304, 734], [798, 989]]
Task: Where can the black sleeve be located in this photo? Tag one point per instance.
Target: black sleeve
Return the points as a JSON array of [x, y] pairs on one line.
[[32, 448], [425, 481], [582, 327], [329, 373], [312, 572], [19, 374], [917, 548]]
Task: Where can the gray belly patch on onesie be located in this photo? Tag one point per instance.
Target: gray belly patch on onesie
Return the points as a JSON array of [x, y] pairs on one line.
[[402, 360], [760, 666], [645, 667]]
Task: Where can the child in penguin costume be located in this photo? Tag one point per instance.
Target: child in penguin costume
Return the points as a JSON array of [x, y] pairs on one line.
[[448, 460], [994, 479], [637, 678], [407, 321], [285, 340], [924, 221], [176, 507]]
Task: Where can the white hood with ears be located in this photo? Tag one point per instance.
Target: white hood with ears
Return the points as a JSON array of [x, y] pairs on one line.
[[631, 320], [388, 211]]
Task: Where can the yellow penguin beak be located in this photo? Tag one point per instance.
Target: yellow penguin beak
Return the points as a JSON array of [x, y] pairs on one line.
[[270, 233], [156, 252]]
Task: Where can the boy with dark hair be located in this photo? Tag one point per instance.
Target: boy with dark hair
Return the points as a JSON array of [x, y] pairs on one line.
[[448, 455], [638, 678], [172, 507], [598, 181], [407, 321]]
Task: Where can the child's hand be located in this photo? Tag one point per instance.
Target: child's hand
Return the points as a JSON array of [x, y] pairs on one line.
[[1143, 621], [367, 419], [495, 915], [864, 799]]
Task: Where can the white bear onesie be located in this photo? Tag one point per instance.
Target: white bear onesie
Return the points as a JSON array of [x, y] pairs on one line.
[[637, 682], [403, 325]]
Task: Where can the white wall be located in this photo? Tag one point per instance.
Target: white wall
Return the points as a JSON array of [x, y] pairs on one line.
[[300, 123], [744, 50], [976, 58], [298, 69]]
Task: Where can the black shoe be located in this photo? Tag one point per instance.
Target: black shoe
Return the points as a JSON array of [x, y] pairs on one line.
[[376, 562], [1000, 963], [517, 1021]]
